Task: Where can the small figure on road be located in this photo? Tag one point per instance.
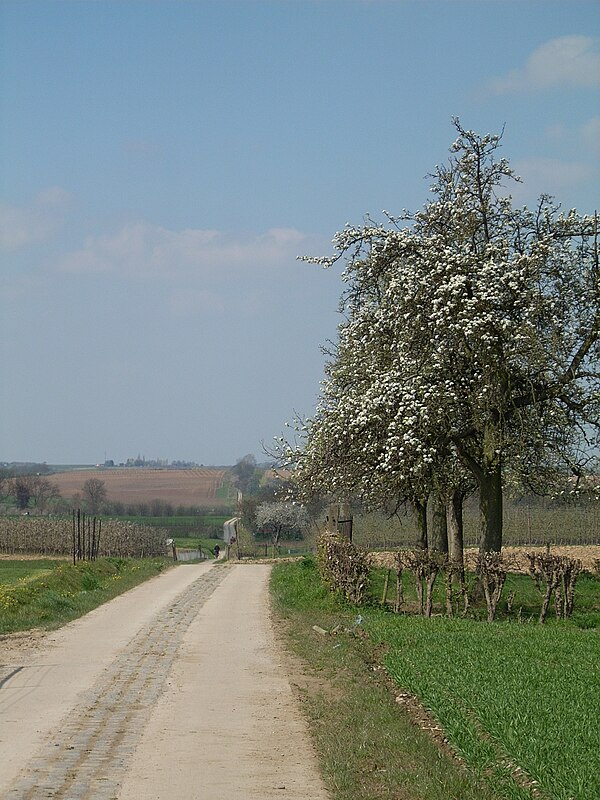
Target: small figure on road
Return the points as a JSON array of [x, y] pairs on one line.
[[216, 550]]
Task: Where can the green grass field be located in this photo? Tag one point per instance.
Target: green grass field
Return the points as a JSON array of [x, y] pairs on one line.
[[198, 543], [203, 526], [46, 594], [191, 521], [14, 570], [518, 702]]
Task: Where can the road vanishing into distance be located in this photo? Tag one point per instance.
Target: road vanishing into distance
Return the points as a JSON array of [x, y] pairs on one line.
[[175, 690]]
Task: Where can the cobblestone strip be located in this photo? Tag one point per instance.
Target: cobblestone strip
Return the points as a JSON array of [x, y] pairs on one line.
[[87, 758]]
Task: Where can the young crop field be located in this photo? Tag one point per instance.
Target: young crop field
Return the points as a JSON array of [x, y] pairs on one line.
[[515, 701], [506, 695], [203, 525], [186, 487]]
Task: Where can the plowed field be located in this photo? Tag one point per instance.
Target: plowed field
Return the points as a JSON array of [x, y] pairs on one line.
[[177, 486]]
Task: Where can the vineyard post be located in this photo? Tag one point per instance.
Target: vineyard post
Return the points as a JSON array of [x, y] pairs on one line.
[[98, 539], [93, 554], [78, 533], [73, 516], [385, 588]]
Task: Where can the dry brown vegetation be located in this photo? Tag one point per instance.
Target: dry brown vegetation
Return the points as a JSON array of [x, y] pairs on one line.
[[189, 487], [587, 554]]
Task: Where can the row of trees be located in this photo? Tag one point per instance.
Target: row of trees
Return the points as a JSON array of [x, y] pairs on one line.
[[24, 489], [468, 358], [36, 491]]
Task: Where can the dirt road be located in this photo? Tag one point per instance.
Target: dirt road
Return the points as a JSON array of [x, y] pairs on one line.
[[174, 691]]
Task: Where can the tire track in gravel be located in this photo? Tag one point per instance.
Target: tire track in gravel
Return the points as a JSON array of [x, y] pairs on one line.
[[88, 757]]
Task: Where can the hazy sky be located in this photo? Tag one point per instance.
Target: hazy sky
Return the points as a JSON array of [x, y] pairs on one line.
[[163, 164]]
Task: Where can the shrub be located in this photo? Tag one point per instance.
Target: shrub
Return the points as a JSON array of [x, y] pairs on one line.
[[344, 568]]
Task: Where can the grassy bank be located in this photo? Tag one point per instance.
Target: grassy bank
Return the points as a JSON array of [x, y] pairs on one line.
[[46, 594], [517, 702]]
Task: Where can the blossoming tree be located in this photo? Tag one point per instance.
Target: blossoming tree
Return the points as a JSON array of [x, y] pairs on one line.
[[470, 343]]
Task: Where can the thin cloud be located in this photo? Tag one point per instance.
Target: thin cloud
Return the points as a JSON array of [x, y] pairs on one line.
[[590, 134], [585, 136], [21, 226], [549, 176], [568, 61], [143, 250]]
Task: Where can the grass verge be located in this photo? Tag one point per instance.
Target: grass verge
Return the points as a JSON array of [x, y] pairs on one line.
[[55, 596]]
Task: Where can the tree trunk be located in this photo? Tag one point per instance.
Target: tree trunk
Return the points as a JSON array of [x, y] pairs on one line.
[[439, 532], [490, 509], [454, 522], [420, 509]]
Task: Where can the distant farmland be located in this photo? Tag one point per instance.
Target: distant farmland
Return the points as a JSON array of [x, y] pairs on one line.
[[186, 487]]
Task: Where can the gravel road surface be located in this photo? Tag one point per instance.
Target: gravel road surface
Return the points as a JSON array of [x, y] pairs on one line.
[[175, 690]]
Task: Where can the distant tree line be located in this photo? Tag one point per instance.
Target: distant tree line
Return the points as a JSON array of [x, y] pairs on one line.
[[30, 491]]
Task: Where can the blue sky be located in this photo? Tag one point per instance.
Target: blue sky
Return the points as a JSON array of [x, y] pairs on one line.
[[163, 164]]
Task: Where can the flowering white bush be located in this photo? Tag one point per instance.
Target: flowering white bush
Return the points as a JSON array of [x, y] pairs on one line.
[[281, 518]]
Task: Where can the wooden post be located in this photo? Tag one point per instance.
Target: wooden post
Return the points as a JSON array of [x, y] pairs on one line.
[[331, 518], [339, 519], [385, 587], [73, 515], [399, 591]]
